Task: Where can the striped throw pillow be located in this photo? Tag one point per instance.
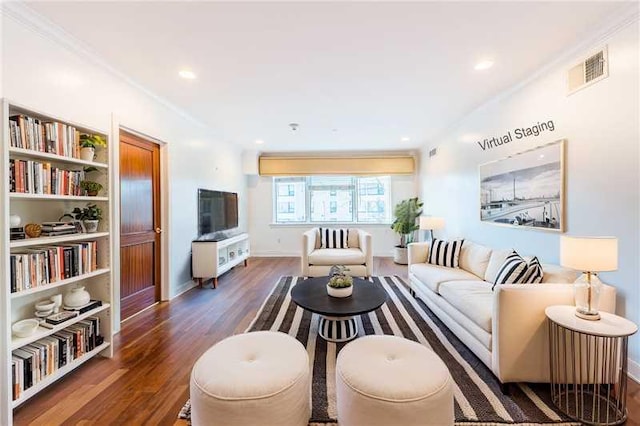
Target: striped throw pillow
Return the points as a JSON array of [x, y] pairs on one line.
[[512, 270], [445, 253], [534, 273], [334, 238]]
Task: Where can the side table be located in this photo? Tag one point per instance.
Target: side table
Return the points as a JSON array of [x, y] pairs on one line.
[[588, 363]]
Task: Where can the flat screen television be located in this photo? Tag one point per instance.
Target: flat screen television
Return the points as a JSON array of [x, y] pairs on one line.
[[217, 211]]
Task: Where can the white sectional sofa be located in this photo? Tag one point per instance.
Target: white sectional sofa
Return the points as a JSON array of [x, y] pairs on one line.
[[317, 261], [506, 328]]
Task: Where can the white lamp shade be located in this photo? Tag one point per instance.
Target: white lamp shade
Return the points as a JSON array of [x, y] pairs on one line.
[[430, 222], [589, 254]]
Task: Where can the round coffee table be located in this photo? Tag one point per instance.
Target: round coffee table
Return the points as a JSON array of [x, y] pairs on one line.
[[337, 315]]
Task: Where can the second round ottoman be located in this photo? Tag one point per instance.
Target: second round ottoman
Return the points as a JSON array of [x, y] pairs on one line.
[[253, 378], [388, 380]]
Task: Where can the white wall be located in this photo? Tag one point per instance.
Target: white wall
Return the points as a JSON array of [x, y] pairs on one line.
[[286, 240], [44, 71], [601, 125]]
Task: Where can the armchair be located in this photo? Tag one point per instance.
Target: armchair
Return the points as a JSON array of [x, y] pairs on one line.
[[358, 258]]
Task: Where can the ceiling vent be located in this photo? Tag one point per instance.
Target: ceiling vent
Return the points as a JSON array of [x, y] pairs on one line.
[[589, 71], [433, 152]]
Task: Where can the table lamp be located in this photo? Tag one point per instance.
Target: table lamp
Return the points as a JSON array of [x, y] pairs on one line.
[[430, 223], [590, 255]]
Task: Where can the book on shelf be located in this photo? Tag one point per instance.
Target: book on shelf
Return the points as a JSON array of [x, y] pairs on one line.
[[34, 362], [58, 226], [17, 233], [35, 177], [44, 136], [85, 308], [40, 266], [61, 317]]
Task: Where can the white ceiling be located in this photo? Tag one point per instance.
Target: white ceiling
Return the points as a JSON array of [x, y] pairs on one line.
[[374, 72]]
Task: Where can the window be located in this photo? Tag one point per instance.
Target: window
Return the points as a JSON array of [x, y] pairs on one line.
[[290, 200], [342, 199], [373, 199]]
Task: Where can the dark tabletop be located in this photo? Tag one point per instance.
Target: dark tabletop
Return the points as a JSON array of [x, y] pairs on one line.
[[311, 294]]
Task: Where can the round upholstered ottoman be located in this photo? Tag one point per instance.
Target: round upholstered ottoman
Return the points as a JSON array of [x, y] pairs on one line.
[[387, 380], [252, 378]]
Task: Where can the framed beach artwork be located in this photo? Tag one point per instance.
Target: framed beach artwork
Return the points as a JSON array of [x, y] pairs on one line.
[[525, 190]]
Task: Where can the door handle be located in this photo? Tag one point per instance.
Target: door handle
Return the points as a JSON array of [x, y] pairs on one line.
[[158, 230]]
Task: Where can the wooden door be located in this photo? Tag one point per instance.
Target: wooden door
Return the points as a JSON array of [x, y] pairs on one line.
[[139, 224]]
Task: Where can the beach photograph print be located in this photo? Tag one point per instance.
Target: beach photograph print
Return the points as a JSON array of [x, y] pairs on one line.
[[525, 190]]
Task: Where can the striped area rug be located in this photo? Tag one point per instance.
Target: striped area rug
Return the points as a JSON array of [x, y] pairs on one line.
[[478, 397]]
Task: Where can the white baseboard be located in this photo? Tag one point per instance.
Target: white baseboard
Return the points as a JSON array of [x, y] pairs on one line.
[[297, 254], [184, 287], [633, 370], [275, 254]]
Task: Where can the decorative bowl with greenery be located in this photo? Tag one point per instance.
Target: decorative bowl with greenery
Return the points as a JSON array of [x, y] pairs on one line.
[[406, 213], [340, 284], [91, 187]]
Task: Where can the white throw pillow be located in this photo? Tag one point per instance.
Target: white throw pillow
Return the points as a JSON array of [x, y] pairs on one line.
[[512, 270], [445, 253], [534, 273], [334, 238]]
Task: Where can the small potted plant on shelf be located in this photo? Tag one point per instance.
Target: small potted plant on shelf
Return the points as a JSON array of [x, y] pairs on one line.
[[406, 213], [88, 144], [340, 284], [92, 188], [89, 215]]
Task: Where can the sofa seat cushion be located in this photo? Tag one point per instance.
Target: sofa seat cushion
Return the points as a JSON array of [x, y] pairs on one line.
[[348, 256], [472, 298], [433, 275]]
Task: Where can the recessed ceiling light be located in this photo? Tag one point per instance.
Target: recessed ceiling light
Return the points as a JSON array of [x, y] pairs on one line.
[[541, 156], [405, 139], [483, 65], [187, 74], [259, 141]]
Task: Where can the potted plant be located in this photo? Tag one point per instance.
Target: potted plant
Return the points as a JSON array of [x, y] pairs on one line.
[[340, 284], [91, 187], [89, 215], [88, 144], [405, 213]]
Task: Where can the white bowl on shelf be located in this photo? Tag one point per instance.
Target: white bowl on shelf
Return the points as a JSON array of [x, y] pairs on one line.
[[45, 305], [25, 328], [44, 314]]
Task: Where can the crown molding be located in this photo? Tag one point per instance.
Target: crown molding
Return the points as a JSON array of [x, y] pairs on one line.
[[22, 14], [611, 25]]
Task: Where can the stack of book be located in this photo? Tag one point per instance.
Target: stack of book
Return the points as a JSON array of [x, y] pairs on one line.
[[51, 137], [17, 233], [40, 266], [34, 177], [34, 362], [51, 229]]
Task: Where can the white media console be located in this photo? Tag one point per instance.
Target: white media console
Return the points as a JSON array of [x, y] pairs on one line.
[[210, 259]]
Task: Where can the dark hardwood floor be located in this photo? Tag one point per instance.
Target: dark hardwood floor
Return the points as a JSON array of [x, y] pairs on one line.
[[147, 381]]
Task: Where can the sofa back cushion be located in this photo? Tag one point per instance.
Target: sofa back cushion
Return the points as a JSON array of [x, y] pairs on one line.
[[354, 238], [474, 258], [557, 274], [495, 263]]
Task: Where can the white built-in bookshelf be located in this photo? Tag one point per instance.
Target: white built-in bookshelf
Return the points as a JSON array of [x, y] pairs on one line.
[[93, 252]]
